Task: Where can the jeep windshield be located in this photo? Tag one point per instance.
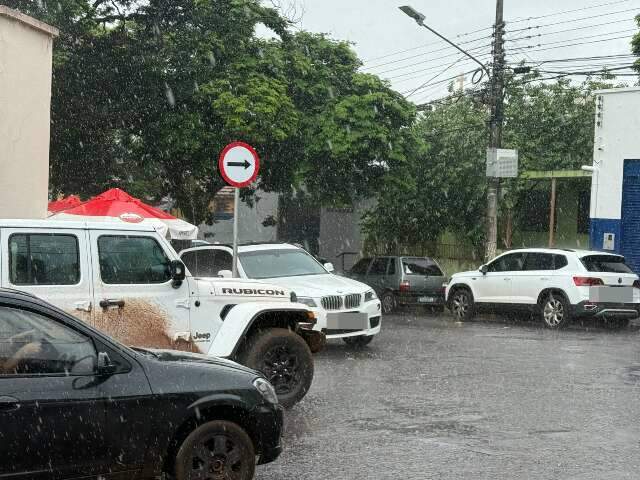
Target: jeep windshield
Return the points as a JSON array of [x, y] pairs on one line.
[[279, 263]]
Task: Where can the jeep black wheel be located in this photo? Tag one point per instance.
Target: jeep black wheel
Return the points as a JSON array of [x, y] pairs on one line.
[[285, 359], [217, 450]]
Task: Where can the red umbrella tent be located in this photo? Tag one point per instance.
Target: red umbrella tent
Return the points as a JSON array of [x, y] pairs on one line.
[[117, 205], [64, 203]]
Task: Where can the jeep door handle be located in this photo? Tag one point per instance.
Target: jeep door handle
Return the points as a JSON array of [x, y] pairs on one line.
[[112, 302], [9, 404]]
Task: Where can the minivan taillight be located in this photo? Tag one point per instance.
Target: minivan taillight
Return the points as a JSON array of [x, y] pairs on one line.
[[587, 281], [405, 286]]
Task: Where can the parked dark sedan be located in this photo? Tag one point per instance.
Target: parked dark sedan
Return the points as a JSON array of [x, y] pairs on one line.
[[74, 403]]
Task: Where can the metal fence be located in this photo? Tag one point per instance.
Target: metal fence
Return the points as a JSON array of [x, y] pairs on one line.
[[445, 251]]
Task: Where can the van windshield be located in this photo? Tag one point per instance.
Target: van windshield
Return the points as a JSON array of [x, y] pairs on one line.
[[279, 263], [606, 263]]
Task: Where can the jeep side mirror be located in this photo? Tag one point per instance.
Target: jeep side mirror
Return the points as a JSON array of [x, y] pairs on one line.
[[329, 267], [225, 273], [178, 273], [105, 366], [484, 269]]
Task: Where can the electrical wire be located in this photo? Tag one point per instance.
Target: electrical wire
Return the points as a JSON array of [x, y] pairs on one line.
[[440, 81], [574, 20], [568, 11], [435, 76], [430, 69], [577, 38], [599, 57], [403, 67], [527, 37], [424, 53], [533, 48]]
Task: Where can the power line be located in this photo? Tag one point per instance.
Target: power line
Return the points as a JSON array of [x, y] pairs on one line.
[[395, 69], [435, 76], [604, 70], [570, 30], [577, 38], [430, 69], [574, 20], [533, 48], [440, 81], [425, 53], [599, 57], [568, 11], [430, 44]]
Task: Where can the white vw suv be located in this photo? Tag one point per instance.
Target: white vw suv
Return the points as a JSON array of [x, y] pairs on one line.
[[344, 308], [559, 284]]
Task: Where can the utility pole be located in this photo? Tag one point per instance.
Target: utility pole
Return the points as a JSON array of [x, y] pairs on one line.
[[495, 126]]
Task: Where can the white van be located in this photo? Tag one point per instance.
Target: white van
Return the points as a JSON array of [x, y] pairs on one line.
[[129, 282], [345, 308]]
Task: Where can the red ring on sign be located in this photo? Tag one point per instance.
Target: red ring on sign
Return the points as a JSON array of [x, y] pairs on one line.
[[221, 164]]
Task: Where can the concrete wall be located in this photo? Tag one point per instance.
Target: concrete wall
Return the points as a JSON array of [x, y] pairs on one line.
[[250, 227], [617, 139], [25, 96]]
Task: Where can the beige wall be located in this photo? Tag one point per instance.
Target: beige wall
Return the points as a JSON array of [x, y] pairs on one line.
[[25, 97]]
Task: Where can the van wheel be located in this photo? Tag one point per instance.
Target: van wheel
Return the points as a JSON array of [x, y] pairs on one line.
[[359, 341], [217, 449], [556, 311], [285, 359], [462, 305]]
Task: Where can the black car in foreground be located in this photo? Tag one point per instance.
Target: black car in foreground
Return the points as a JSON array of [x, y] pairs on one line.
[[74, 403]]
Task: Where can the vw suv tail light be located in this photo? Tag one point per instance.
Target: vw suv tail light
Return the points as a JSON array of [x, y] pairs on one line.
[[587, 281], [405, 286]]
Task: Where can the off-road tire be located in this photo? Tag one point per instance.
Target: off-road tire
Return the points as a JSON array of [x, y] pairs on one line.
[[228, 450], [284, 358]]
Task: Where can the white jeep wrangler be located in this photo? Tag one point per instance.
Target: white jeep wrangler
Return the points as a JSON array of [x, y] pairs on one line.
[[128, 281]]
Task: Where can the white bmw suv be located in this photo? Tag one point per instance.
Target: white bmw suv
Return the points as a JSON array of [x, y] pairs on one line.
[[344, 308], [559, 284]]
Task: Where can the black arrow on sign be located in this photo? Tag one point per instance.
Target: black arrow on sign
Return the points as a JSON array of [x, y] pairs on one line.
[[244, 164]]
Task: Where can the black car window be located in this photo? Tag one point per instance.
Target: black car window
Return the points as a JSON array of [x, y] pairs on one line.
[[559, 261], [421, 266], [538, 261], [132, 260], [511, 262], [32, 344], [379, 266], [605, 263], [207, 262], [43, 259], [361, 267], [391, 269]]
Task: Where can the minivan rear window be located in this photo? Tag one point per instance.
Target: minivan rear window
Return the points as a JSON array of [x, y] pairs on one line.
[[420, 266], [605, 263]]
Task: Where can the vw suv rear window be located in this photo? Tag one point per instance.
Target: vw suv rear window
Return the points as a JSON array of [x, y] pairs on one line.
[[605, 263]]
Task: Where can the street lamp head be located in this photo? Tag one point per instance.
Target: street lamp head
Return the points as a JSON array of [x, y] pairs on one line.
[[413, 13]]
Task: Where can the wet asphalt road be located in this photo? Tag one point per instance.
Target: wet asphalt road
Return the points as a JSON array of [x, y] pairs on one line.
[[494, 399]]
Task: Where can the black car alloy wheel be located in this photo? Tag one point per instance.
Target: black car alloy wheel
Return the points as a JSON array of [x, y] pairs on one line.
[[282, 369]]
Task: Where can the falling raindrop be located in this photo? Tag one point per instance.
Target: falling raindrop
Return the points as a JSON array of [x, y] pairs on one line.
[[348, 128], [212, 59], [196, 87], [169, 93], [330, 91], [329, 144], [260, 53], [375, 109]]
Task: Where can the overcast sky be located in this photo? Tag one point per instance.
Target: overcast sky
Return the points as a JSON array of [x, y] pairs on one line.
[[377, 28]]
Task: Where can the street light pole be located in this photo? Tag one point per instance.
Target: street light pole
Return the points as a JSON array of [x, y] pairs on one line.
[[496, 103]]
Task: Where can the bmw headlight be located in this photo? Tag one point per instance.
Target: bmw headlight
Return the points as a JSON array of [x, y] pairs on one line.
[[370, 295], [266, 390], [308, 301]]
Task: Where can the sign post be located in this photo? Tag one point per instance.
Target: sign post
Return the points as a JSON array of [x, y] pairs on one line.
[[239, 165]]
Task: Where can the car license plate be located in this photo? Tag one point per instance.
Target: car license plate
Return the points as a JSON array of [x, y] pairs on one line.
[[426, 300], [347, 321], [611, 294]]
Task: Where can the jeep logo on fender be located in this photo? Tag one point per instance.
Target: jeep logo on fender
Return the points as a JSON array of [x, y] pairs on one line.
[[202, 336], [252, 291]]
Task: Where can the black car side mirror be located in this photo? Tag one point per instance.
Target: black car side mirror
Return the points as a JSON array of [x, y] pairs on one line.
[[178, 273], [484, 269], [105, 366]]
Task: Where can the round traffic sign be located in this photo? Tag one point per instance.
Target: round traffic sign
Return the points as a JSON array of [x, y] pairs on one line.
[[239, 164]]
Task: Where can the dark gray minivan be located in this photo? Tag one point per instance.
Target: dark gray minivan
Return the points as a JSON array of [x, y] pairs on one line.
[[402, 280]]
